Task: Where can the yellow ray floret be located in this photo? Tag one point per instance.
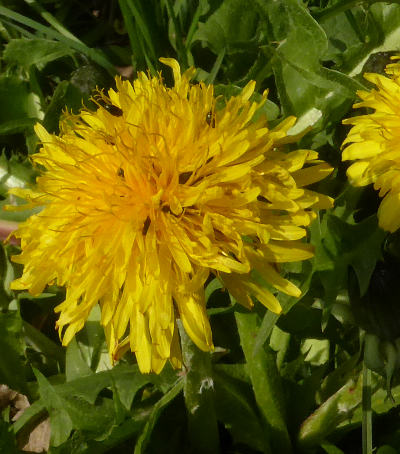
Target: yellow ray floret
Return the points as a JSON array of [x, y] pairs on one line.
[[145, 197], [374, 144]]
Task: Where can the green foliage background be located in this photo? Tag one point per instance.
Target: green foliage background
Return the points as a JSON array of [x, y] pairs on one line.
[[291, 383]]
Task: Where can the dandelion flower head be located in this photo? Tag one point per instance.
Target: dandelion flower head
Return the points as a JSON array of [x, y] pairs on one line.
[[375, 144], [145, 197]]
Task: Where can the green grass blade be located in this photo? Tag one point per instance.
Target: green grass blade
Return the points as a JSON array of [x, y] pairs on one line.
[[193, 25], [216, 67], [180, 48], [21, 31], [48, 17], [80, 47], [144, 29], [137, 53]]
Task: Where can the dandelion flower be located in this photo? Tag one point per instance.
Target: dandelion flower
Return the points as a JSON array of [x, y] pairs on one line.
[[375, 144], [145, 197]]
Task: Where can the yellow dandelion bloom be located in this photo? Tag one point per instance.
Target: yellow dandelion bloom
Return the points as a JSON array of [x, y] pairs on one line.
[[375, 144], [144, 197]]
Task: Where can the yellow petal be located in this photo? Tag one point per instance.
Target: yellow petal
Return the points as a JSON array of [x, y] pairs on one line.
[[192, 312], [287, 251], [312, 174], [389, 212]]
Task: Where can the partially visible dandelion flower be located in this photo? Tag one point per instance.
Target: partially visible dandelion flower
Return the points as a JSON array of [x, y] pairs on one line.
[[375, 144], [145, 197]]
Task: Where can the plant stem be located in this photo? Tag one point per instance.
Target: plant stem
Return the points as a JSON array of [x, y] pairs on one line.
[[366, 412], [339, 7]]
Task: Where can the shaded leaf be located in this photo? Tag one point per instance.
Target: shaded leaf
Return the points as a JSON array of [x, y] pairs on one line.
[[199, 396], [329, 448], [18, 103], [16, 126], [12, 360], [340, 245], [7, 439], [26, 52], [234, 409], [157, 409]]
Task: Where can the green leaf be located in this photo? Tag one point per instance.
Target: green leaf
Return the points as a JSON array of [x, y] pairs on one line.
[[315, 351], [77, 405], [81, 402], [40, 342], [97, 419], [89, 77], [65, 95], [334, 380], [340, 245], [7, 438], [381, 404], [127, 430], [199, 396], [7, 274], [236, 371], [214, 285], [155, 413], [18, 103], [266, 382], [293, 25], [34, 413], [61, 423], [86, 349], [126, 379], [75, 364], [76, 444], [317, 95], [127, 383], [231, 26], [294, 22], [302, 280], [95, 55], [75, 94], [26, 52], [92, 343], [80, 399], [16, 126], [329, 448], [12, 361], [386, 449], [381, 34], [279, 342], [14, 172], [266, 327], [335, 410], [234, 405]]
